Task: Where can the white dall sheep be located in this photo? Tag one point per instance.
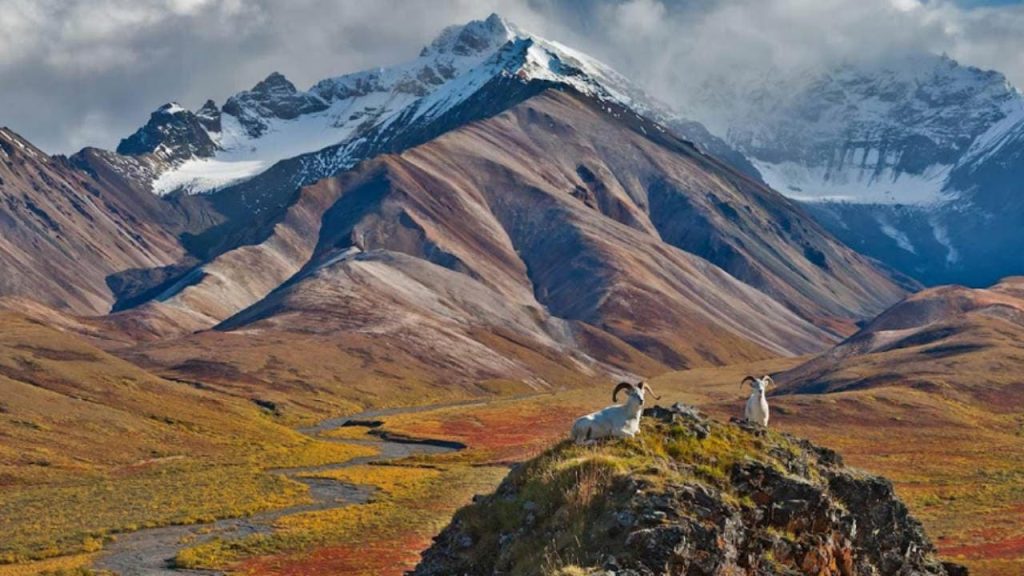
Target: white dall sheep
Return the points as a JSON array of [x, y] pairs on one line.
[[756, 410], [619, 420]]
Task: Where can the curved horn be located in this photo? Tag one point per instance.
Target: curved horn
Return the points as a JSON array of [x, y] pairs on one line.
[[768, 380], [621, 386], [651, 390], [747, 379]]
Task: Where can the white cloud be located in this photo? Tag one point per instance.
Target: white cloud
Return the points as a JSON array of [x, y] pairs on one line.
[[73, 69]]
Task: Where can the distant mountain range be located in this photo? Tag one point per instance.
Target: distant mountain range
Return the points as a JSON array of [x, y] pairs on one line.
[[499, 193], [915, 161]]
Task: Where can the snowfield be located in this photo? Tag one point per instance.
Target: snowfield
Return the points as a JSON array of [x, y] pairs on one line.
[[858, 182]]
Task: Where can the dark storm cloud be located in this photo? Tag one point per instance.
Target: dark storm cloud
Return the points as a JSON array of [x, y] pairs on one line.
[[87, 72]]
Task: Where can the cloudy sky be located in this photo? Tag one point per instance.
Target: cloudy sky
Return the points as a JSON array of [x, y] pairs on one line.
[[88, 72]]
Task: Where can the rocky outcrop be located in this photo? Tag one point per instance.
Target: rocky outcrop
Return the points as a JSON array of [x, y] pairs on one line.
[[688, 496], [273, 97], [174, 134]]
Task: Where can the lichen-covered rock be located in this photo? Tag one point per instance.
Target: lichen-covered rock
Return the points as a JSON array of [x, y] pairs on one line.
[[688, 496]]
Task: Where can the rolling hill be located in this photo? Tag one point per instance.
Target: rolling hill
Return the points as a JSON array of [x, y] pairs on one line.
[[959, 343]]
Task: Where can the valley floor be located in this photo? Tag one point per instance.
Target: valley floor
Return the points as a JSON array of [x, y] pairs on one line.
[[959, 468]]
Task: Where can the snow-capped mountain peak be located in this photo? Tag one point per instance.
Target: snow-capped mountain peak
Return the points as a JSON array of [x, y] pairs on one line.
[[272, 98], [475, 38], [886, 132], [915, 160], [359, 113], [171, 108]]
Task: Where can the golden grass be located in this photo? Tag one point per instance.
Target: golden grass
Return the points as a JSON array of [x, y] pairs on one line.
[[393, 480], [73, 565], [78, 515], [307, 452], [92, 446], [47, 521], [72, 516], [414, 502]]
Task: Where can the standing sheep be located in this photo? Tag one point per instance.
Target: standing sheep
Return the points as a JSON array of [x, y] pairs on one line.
[[756, 410]]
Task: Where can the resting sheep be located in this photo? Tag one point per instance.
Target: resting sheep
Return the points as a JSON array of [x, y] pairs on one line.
[[756, 410], [619, 420]]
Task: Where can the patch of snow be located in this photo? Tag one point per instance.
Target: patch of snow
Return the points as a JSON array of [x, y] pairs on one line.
[[901, 239], [856, 183], [990, 142], [942, 237], [345, 254], [172, 108], [29, 150], [206, 174]]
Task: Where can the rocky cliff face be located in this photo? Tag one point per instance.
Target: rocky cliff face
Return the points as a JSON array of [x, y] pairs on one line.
[[273, 98], [174, 134], [688, 496], [887, 132]]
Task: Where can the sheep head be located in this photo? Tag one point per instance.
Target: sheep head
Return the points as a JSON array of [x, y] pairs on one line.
[[758, 384], [637, 391]]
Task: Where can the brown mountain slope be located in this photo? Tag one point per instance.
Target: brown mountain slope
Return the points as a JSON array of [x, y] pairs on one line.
[[631, 171], [484, 222], [435, 244], [63, 233], [965, 344], [545, 225], [66, 405], [623, 168], [644, 177], [213, 291]]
